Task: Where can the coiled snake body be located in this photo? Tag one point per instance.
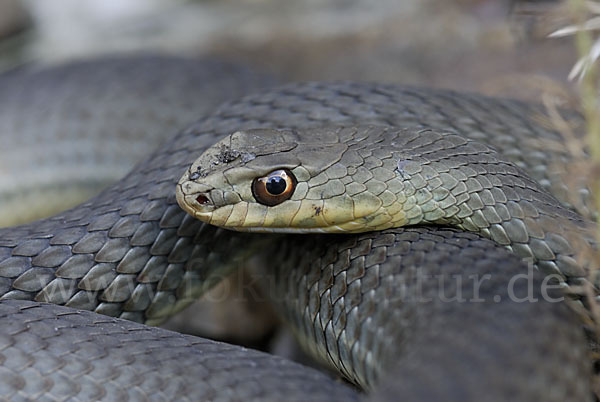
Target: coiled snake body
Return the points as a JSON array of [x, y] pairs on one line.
[[429, 312]]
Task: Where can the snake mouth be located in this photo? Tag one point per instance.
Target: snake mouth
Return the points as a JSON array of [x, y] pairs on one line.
[[346, 227], [196, 200]]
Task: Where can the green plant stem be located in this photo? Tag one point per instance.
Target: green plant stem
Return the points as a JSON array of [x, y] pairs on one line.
[[589, 99]]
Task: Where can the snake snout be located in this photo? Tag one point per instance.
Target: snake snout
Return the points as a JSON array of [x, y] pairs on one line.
[[195, 198]]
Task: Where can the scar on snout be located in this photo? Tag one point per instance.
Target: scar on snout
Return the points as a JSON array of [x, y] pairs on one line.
[[197, 174], [227, 154]]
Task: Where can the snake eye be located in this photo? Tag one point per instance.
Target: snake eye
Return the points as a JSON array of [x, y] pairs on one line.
[[274, 188]]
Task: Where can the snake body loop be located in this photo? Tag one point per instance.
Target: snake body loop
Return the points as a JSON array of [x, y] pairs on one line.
[[409, 316], [132, 253], [64, 148]]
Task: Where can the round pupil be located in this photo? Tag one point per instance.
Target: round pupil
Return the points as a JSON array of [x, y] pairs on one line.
[[276, 185]]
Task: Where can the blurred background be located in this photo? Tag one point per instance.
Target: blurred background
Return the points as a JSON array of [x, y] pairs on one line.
[[489, 46], [496, 47]]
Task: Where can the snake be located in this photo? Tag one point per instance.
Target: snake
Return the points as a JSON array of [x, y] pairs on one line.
[[445, 277]]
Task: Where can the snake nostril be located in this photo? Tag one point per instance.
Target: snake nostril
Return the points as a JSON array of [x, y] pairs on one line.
[[202, 199]]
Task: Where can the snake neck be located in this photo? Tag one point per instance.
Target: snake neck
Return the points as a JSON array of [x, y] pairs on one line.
[[494, 198]]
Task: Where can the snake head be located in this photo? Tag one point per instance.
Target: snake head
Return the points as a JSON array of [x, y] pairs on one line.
[[313, 180], [215, 182]]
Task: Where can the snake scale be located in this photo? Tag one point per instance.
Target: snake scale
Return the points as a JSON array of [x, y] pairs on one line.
[[394, 311]]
